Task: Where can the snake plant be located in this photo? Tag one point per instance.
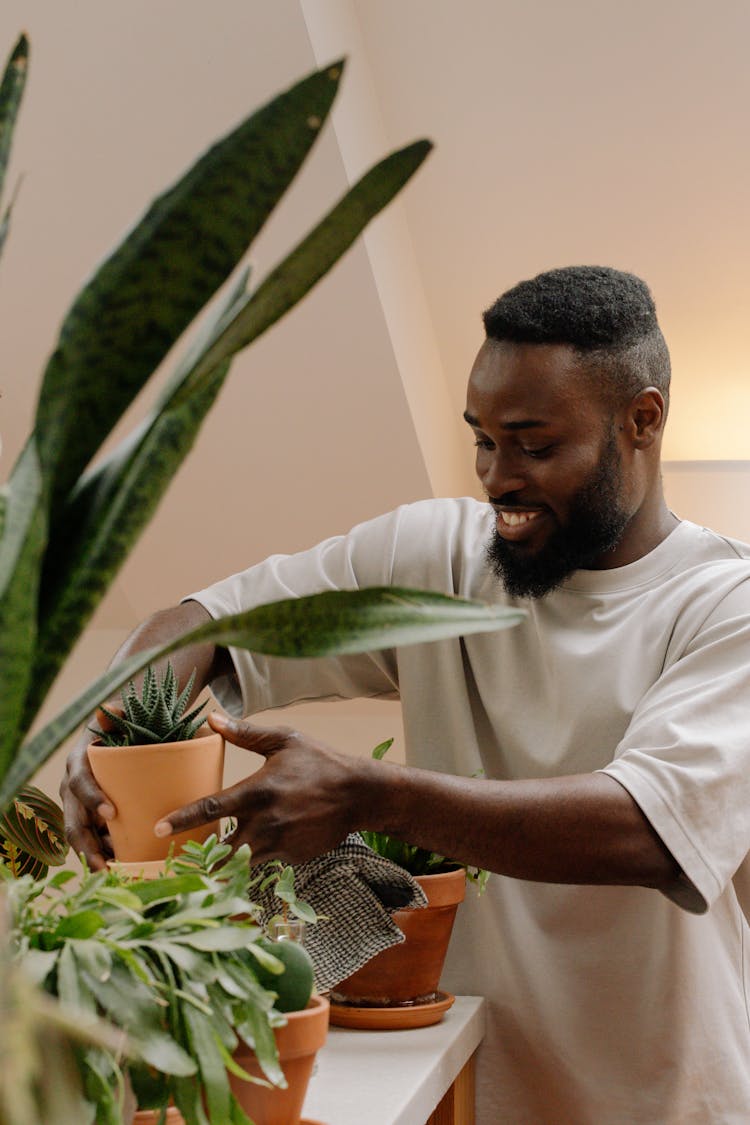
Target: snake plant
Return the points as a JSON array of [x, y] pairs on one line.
[[66, 526]]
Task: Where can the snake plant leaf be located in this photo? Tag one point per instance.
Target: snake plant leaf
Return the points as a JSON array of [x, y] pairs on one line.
[[21, 548], [141, 299], [11, 93], [115, 502], [111, 505], [310, 260], [333, 622]]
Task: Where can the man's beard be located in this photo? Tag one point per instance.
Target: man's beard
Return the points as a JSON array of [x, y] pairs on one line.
[[595, 524]]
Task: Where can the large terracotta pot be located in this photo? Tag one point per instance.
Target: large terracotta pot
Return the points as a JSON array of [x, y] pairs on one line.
[[146, 782], [409, 974], [297, 1042]]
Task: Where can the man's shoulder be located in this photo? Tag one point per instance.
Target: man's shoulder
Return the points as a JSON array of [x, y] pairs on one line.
[[705, 544]]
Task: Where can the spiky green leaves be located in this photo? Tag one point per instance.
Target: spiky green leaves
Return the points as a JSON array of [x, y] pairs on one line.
[[156, 715]]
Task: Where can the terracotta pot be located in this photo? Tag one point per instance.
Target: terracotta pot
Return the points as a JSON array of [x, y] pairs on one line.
[[297, 1042], [146, 782], [409, 973]]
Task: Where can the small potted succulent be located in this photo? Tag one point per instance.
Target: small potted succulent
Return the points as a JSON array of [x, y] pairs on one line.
[[182, 965], [399, 987], [150, 757]]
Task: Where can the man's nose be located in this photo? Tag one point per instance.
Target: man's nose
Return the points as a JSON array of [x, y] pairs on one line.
[[500, 475]]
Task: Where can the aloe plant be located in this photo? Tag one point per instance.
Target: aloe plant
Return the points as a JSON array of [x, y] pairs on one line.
[[66, 527], [155, 714]]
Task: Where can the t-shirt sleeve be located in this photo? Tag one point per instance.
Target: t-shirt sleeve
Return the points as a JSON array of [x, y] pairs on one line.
[[685, 757], [364, 557]]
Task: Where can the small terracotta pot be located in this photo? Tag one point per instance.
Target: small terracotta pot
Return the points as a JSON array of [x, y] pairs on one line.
[[297, 1043], [409, 973], [147, 782]]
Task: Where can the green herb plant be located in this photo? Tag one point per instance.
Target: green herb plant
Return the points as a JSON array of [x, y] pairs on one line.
[[416, 860], [176, 962]]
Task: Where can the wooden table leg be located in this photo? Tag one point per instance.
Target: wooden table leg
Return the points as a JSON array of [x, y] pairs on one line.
[[457, 1105]]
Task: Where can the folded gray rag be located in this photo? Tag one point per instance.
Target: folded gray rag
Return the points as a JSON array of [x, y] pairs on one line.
[[356, 890]]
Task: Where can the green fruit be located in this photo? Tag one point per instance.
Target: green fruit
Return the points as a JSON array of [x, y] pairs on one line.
[[294, 986]]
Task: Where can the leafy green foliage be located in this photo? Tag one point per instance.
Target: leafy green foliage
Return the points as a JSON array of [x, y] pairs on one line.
[[156, 715], [175, 962], [415, 860]]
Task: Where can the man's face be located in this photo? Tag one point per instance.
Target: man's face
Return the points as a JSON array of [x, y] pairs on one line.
[[549, 460]]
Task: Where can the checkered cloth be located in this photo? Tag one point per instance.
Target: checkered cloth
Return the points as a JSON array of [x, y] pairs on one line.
[[356, 890]]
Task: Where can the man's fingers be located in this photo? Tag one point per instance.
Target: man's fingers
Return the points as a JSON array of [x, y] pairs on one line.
[[80, 781], [217, 805], [261, 740]]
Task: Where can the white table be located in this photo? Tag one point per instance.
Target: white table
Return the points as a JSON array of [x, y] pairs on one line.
[[419, 1077]]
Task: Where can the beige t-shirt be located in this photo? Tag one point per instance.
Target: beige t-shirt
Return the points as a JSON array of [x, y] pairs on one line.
[[607, 1005]]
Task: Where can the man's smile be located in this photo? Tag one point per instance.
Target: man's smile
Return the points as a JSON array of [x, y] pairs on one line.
[[514, 523]]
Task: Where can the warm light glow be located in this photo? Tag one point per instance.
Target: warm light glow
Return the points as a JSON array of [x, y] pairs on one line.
[[710, 493]]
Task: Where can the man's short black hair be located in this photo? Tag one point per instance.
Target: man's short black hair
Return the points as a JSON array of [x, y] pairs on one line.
[[607, 316]]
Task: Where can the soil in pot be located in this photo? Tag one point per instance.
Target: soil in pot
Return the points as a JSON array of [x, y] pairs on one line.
[[298, 1042], [407, 976], [147, 782]]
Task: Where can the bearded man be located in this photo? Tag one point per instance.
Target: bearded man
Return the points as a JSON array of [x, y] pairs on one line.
[[611, 726]]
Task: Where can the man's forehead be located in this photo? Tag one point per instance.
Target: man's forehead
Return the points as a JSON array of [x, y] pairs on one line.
[[528, 372]]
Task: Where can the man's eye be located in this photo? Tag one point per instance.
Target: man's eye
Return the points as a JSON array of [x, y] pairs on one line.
[[484, 443], [543, 451]]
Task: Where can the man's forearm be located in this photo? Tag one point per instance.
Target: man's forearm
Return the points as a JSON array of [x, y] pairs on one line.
[[579, 829], [205, 659]]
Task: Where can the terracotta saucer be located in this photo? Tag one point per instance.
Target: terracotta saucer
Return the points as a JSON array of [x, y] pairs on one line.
[[391, 1019]]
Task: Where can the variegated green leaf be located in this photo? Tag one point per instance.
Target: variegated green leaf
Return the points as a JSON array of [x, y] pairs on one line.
[[21, 548], [115, 502], [310, 260], [142, 298], [11, 93], [105, 521], [33, 829], [333, 622]]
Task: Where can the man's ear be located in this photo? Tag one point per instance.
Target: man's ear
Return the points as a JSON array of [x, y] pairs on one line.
[[645, 417]]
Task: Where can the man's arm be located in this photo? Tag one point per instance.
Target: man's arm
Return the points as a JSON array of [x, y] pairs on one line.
[[579, 829], [86, 807]]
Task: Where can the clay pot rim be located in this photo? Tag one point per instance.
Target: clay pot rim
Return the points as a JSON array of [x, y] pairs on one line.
[[444, 888], [203, 734]]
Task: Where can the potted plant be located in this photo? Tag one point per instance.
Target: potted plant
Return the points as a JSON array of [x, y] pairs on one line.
[[180, 963], [399, 987], [152, 756]]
